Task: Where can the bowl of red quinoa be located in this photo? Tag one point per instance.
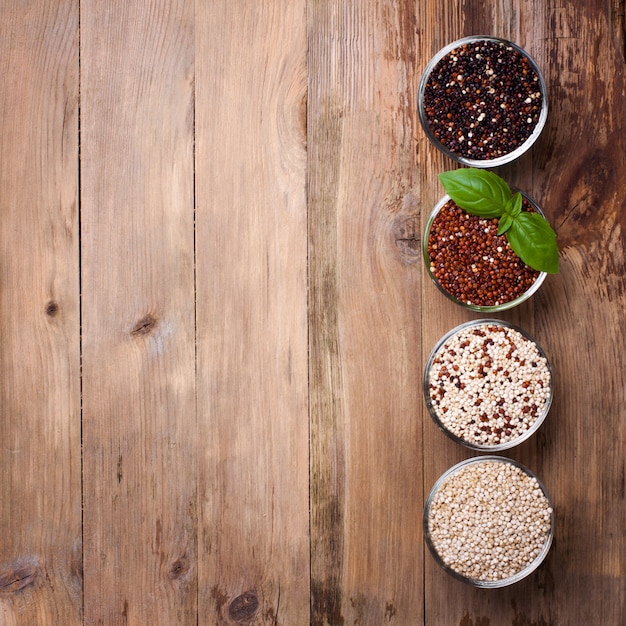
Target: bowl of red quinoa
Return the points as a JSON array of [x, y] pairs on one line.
[[474, 266], [488, 521], [488, 385], [482, 101]]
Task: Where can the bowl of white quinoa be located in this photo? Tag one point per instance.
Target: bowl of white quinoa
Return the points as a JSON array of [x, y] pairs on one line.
[[488, 385], [488, 521]]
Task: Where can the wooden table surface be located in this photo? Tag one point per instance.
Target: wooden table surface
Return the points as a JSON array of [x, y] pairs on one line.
[[214, 315]]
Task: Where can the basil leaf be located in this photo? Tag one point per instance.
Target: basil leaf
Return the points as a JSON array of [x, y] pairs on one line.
[[504, 224], [534, 242], [477, 191], [513, 207]]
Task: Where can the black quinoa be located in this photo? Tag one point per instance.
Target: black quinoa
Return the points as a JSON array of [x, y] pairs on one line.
[[483, 99]]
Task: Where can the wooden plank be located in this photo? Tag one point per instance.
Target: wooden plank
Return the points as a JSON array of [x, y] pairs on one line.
[[580, 174], [139, 424], [40, 499], [252, 312], [448, 601], [227, 541], [576, 174], [365, 273], [438, 316]]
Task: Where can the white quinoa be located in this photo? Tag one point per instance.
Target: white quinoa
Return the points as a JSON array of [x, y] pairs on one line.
[[489, 520], [488, 384]]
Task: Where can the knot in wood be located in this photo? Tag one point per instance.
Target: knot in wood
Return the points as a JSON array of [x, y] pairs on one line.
[[179, 568], [52, 308], [244, 607], [407, 238], [144, 326], [19, 575]]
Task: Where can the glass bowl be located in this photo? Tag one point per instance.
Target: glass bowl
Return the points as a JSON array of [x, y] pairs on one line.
[[488, 385], [483, 308], [482, 97], [496, 537]]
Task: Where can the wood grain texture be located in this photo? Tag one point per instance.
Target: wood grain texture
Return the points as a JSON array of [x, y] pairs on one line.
[[582, 317], [40, 500], [218, 352], [252, 312], [366, 485], [137, 217], [574, 171]]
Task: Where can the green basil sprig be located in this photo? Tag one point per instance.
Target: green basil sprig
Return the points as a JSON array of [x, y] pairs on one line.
[[485, 194]]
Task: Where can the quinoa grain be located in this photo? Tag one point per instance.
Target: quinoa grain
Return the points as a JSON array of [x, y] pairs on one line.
[[488, 520], [471, 262], [487, 87], [488, 384]]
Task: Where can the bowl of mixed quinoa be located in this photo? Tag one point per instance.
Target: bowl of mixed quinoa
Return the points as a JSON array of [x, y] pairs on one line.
[[488, 521], [482, 101], [488, 385], [471, 264]]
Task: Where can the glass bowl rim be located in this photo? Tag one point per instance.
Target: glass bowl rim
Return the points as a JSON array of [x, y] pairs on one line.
[[509, 156], [487, 584]]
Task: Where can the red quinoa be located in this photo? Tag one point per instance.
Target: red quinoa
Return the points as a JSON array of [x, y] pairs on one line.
[[474, 264]]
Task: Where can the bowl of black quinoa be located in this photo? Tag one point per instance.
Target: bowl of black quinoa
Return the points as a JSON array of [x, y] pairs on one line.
[[471, 264], [488, 385], [488, 521], [482, 101]]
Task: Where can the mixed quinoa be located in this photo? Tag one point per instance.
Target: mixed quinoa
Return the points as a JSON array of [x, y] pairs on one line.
[[488, 384]]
